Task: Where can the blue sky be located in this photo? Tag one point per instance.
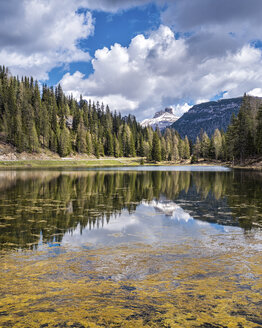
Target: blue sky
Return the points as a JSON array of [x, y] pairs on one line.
[[110, 29], [138, 56]]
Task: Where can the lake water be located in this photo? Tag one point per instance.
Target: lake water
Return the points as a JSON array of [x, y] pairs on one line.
[[131, 247]]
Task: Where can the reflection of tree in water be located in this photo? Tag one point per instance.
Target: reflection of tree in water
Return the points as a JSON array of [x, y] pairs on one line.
[[52, 203]]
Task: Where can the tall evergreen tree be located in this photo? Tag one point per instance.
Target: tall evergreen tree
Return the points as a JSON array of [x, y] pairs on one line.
[[205, 145], [259, 132], [156, 148], [81, 137], [217, 142], [197, 148]]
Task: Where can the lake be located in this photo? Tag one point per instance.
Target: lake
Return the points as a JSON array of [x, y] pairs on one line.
[[131, 247]]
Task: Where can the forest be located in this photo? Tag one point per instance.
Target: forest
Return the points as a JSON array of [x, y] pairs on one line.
[[34, 118], [241, 141]]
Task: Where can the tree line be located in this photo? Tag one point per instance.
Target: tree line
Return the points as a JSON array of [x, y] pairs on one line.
[[33, 119], [241, 141]]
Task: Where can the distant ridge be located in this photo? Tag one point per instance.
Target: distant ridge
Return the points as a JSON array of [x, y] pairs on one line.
[[207, 117]]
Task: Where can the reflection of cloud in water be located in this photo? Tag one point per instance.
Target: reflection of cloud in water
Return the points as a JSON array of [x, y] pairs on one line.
[[170, 209], [156, 222]]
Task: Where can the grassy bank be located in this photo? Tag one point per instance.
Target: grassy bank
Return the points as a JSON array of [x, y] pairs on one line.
[[68, 163]]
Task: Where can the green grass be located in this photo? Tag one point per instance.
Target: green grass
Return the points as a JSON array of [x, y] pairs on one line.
[[46, 164], [86, 163]]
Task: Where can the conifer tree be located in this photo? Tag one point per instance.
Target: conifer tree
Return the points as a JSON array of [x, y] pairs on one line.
[[181, 148], [197, 148], [175, 156], [259, 132], [156, 148], [64, 144], [81, 137], [116, 147], [32, 138], [217, 143], [109, 144], [163, 149], [186, 148], [205, 145], [89, 146]]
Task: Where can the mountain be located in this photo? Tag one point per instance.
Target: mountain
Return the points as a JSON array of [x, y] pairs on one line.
[[207, 116], [162, 119]]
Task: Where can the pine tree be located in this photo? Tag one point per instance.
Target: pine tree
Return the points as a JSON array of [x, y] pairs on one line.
[[156, 149], [259, 132], [217, 142], [32, 138], [116, 147], [197, 148], [181, 148], [64, 144], [96, 149], [131, 146], [231, 138], [81, 137], [205, 145], [175, 156], [109, 144], [89, 147], [186, 148], [163, 149], [45, 126]]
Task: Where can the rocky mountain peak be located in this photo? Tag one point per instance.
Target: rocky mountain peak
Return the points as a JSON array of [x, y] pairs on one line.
[[162, 119], [169, 110], [207, 117]]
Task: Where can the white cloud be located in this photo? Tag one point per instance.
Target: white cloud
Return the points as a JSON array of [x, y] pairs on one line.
[[179, 110], [37, 35], [201, 100], [112, 5], [160, 71], [212, 54], [257, 92]]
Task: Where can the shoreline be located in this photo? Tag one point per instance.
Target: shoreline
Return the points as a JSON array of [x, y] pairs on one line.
[[66, 163], [83, 163]]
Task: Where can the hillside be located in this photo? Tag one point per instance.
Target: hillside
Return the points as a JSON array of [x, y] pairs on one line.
[[207, 116]]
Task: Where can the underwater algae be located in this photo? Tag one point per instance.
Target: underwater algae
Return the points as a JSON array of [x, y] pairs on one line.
[[138, 286], [163, 270]]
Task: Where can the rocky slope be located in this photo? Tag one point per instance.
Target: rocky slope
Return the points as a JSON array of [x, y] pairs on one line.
[[162, 119], [207, 116]]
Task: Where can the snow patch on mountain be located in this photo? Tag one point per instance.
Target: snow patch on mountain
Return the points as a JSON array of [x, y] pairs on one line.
[[161, 119]]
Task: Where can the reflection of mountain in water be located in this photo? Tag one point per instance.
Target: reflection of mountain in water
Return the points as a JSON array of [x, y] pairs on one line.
[[54, 203], [190, 205], [169, 209]]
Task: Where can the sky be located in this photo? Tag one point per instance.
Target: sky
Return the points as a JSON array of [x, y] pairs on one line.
[[137, 56]]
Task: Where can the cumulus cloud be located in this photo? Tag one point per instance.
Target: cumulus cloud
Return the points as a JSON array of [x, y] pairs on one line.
[[257, 92], [160, 70], [179, 110], [209, 54], [235, 15], [37, 35], [215, 27], [112, 5]]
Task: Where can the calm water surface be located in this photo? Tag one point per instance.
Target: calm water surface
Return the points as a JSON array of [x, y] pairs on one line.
[[139, 247]]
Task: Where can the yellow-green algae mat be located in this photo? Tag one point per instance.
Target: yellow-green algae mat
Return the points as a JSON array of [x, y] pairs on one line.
[[138, 286]]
